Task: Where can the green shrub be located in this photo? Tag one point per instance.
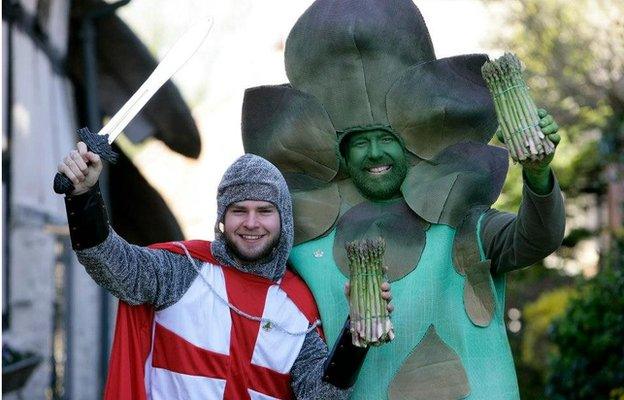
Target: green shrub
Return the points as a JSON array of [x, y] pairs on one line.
[[590, 342], [538, 317]]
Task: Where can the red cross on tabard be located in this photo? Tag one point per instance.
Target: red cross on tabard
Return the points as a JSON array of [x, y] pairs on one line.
[[175, 354]]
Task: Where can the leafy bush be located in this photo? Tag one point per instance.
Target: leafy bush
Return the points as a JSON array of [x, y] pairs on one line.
[[538, 317], [590, 342]]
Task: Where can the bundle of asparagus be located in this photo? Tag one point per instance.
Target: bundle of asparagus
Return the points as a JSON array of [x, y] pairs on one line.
[[370, 321], [515, 109]]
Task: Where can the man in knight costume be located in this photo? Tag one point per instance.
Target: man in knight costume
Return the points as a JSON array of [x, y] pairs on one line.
[[377, 137], [201, 320]]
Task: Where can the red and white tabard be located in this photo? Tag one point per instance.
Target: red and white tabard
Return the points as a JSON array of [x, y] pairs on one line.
[[203, 350]]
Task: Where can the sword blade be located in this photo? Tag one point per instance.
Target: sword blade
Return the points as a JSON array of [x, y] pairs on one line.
[[178, 55]]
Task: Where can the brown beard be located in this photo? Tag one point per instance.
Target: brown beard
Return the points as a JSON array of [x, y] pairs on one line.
[[265, 255]]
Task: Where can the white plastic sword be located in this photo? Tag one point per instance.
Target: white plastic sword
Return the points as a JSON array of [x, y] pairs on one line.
[[184, 48]]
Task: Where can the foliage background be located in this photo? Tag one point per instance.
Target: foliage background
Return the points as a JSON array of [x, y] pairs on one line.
[[574, 57]]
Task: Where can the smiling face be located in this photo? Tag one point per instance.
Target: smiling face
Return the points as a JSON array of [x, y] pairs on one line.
[[377, 164], [252, 229]]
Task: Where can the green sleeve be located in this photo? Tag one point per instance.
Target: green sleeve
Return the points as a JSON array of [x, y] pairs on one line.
[[516, 241]]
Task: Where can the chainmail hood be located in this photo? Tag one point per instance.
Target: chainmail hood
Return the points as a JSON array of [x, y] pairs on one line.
[[253, 178]]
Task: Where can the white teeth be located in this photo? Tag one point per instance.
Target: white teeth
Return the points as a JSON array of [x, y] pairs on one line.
[[380, 169], [251, 237]]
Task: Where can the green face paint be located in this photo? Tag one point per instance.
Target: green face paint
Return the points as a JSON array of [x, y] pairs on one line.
[[377, 164]]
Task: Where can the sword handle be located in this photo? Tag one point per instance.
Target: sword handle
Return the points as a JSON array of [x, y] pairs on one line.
[[95, 143], [62, 184]]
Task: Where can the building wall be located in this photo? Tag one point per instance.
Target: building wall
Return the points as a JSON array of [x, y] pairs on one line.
[[43, 272]]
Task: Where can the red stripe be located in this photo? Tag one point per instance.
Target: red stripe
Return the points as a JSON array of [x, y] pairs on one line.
[[199, 249], [176, 354], [131, 347], [249, 295], [269, 382], [300, 294]]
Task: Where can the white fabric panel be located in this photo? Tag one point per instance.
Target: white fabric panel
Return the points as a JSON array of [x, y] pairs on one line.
[[275, 349], [199, 317], [259, 396], [169, 385], [147, 368]]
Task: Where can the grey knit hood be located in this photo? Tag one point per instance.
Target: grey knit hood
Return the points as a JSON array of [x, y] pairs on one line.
[[254, 178]]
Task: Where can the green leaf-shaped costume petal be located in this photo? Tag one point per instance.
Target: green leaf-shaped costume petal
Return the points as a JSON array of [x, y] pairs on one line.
[[348, 54], [466, 242], [350, 196], [478, 294], [403, 231], [315, 212], [463, 175], [442, 102], [432, 371], [292, 130]]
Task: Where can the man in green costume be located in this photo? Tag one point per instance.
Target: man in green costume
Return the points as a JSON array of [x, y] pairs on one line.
[[377, 137]]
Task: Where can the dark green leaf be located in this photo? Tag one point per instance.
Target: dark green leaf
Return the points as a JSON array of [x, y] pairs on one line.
[[478, 294], [432, 371], [452, 105], [464, 175], [348, 53], [315, 212], [403, 231], [292, 130]]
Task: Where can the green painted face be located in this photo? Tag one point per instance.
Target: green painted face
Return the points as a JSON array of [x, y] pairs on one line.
[[377, 163]]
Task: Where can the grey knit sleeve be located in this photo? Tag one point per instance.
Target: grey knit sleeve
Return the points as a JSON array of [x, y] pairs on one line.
[[307, 372], [516, 241], [136, 274]]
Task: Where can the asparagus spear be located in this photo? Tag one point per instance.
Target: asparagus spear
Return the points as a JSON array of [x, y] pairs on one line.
[[494, 75], [371, 323], [516, 111], [354, 311]]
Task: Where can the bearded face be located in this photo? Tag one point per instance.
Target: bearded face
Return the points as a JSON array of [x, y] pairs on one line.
[[252, 229], [377, 164]]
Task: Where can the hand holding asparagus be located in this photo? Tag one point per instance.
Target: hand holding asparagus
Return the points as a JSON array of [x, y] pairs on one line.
[[522, 127]]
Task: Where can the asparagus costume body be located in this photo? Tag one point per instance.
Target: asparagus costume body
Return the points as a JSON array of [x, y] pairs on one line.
[[176, 336], [358, 66]]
